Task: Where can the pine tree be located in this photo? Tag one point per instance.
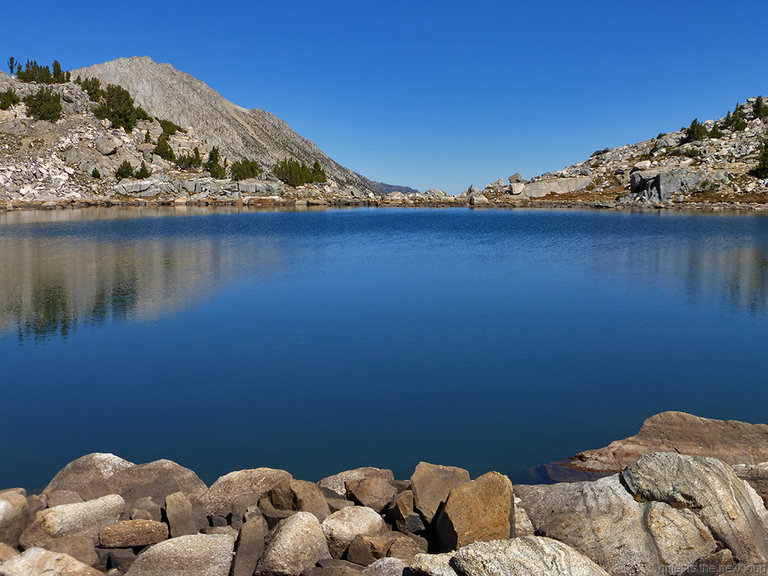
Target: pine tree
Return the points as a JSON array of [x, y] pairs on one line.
[[696, 131], [125, 170], [11, 64], [58, 73], [760, 108], [762, 164], [143, 172]]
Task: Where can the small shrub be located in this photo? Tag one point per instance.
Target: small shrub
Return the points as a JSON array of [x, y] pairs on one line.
[[294, 173], [599, 152], [693, 153], [169, 127], [661, 135], [8, 99], [44, 105], [143, 172], [95, 173], [245, 168], [189, 161], [147, 138], [125, 170]]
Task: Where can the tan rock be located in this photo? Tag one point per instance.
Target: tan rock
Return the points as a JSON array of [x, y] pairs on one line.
[[82, 519], [374, 492], [365, 549], [431, 485], [39, 562], [477, 511], [731, 441], [130, 533], [219, 497]]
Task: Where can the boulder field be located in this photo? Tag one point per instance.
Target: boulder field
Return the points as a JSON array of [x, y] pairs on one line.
[[662, 512]]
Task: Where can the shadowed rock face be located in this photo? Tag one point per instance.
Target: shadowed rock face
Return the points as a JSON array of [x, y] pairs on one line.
[[731, 441], [170, 94]]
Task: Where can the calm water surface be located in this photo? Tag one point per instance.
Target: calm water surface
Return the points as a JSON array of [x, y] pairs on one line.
[[321, 341]]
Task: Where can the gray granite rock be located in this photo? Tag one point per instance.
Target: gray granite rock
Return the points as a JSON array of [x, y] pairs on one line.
[[527, 556], [199, 554], [603, 521], [297, 544], [386, 567], [341, 527], [711, 490]]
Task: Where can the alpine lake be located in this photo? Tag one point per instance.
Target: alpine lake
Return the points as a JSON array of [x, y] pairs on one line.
[[319, 341]]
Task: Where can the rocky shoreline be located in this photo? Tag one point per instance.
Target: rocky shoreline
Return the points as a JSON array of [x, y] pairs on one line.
[[685, 495]]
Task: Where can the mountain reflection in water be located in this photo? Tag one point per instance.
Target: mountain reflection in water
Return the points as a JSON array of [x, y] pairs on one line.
[[53, 281]]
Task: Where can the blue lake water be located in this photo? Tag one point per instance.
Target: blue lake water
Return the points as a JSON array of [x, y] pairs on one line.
[[321, 341]]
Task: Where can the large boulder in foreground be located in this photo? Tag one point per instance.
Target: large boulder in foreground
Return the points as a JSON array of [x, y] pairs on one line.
[[297, 544], [709, 488], [431, 484], [341, 527], [527, 556], [731, 441], [199, 554], [96, 475], [218, 499], [82, 519], [14, 513], [603, 521], [39, 562], [482, 509]]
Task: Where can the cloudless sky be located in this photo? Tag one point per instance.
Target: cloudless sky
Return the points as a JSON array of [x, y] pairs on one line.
[[434, 93]]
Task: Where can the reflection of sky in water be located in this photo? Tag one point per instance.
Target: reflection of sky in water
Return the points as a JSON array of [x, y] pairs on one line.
[[318, 342]]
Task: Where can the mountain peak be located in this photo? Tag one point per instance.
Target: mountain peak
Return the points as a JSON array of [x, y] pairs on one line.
[[165, 92]]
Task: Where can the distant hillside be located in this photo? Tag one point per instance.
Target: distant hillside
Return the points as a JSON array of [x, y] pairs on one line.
[[389, 188], [167, 93]]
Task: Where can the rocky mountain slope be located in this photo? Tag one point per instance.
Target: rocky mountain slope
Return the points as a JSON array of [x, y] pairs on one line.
[[167, 93], [715, 165]]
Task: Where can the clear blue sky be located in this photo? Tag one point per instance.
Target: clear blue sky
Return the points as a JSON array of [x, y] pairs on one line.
[[434, 93]]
